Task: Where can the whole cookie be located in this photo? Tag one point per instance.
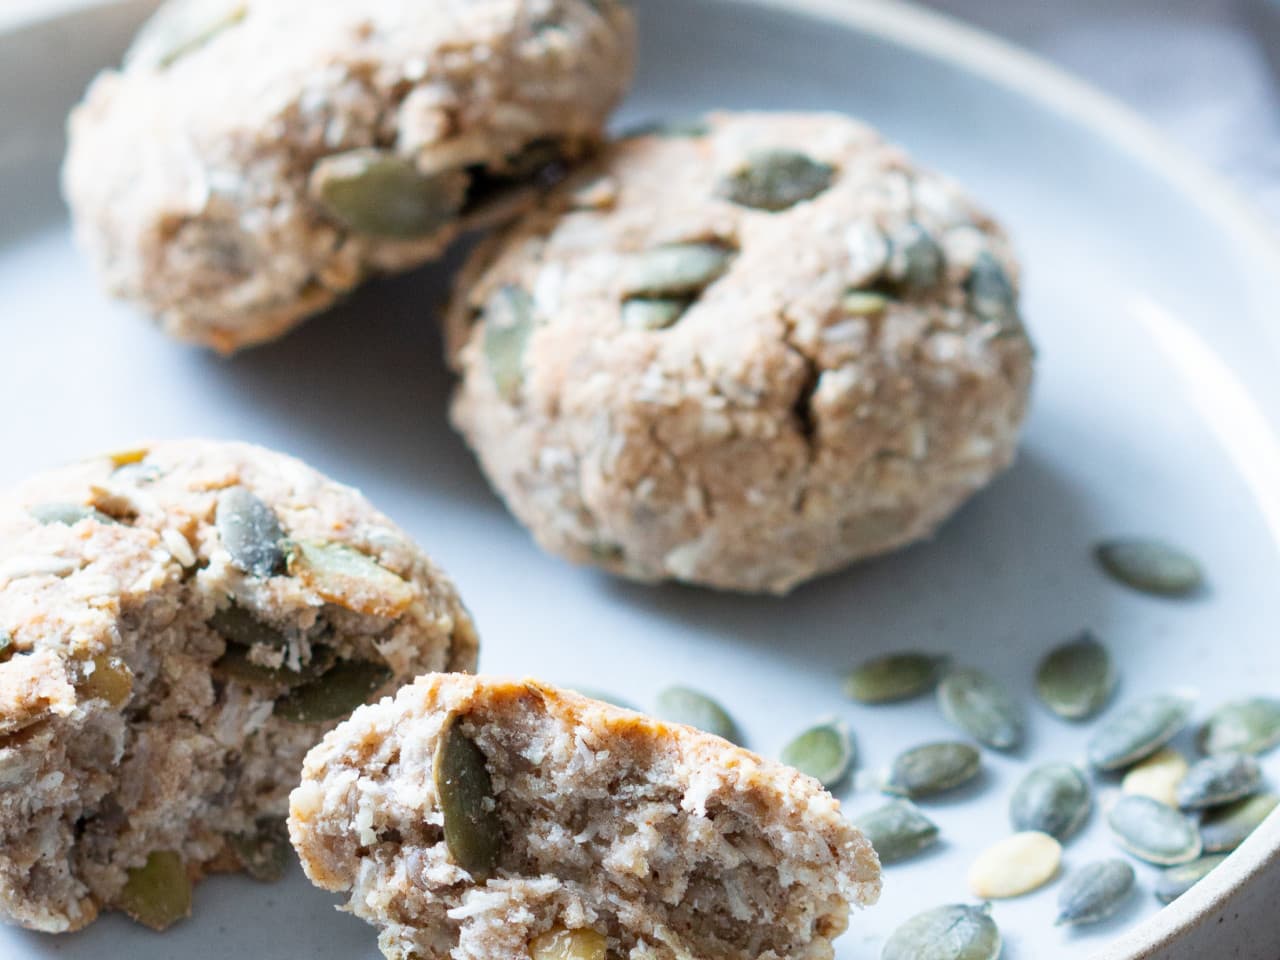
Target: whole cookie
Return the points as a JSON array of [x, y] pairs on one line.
[[178, 626], [742, 354], [256, 159]]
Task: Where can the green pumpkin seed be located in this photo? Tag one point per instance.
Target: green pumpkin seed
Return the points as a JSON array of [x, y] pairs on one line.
[[933, 768], [687, 128], [1150, 566], [344, 576], [775, 180], [1095, 892], [180, 27], [824, 752], [508, 325], [1053, 799], [982, 708], [239, 626], [956, 932], [991, 296], [347, 685], [1219, 779], [898, 676], [472, 828], [1245, 726], [678, 270], [6, 646], [382, 194], [1225, 828], [1138, 731], [251, 533], [1076, 680], [864, 303], [1153, 832], [916, 260], [898, 831], [236, 665], [683, 705], [1177, 880], [264, 854], [1015, 866], [157, 894], [643, 313], [67, 514]]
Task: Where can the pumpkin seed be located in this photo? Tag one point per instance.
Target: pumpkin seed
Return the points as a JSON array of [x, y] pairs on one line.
[[251, 532], [128, 458], [644, 313], [775, 180], [933, 768], [898, 676], [957, 932], [1176, 881], [916, 259], [1219, 779], [335, 694], [685, 128], [1150, 566], [1076, 680], [676, 270], [508, 325], [236, 665], [1053, 799], [157, 894], [898, 830], [864, 303], [824, 752], [180, 27], [238, 625], [379, 193], [978, 705], [683, 705], [1224, 829], [67, 514], [1015, 866], [1245, 726], [111, 680], [1138, 731], [472, 828], [991, 296], [1153, 832], [1095, 892], [562, 944], [344, 576], [6, 646], [264, 853], [1158, 776]]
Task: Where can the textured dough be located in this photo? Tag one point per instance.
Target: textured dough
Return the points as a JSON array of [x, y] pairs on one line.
[[121, 731], [188, 181], [670, 842], [771, 433]]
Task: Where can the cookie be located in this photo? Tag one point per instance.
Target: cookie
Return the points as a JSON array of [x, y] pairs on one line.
[[741, 354], [178, 626], [473, 818], [254, 160]]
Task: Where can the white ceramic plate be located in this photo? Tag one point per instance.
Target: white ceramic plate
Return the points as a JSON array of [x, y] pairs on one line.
[[1152, 295]]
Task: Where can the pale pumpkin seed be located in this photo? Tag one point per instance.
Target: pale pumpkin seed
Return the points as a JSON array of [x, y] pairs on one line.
[[1076, 680], [128, 458], [508, 325], [157, 894], [981, 707], [898, 676], [1245, 726], [1177, 880], [263, 854], [1150, 566], [344, 576], [677, 270], [251, 532], [472, 828], [561, 944], [933, 768], [1219, 779], [180, 27], [776, 180], [898, 830], [1224, 829], [382, 194], [111, 680], [236, 665], [1053, 799], [238, 625], [683, 705], [1095, 892], [1015, 866], [67, 514], [864, 303], [1138, 731], [916, 259], [334, 694], [824, 752], [1153, 832], [991, 296], [645, 313], [1158, 776], [957, 932]]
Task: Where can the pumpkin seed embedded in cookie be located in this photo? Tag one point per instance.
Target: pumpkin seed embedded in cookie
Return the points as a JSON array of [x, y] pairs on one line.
[[251, 532], [675, 270], [991, 296], [237, 625], [343, 575], [508, 324], [68, 514], [180, 27], [652, 313], [265, 853], [775, 180], [379, 193], [561, 944], [472, 828], [333, 694], [158, 893]]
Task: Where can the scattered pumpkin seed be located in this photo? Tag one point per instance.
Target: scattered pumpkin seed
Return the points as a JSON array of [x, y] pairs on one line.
[[238, 625], [157, 894], [864, 303], [1220, 779], [649, 313], [382, 194], [472, 828], [1053, 799], [898, 676], [1158, 776], [897, 830], [933, 768], [915, 259], [1175, 881], [344, 576], [251, 532], [508, 325], [1076, 680], [978, 705], [1150, 566], [111, 680], [236, 665], [776, 180], [683, 705], [561, 944], [991, 296], [1153, 832], [180, 27], [1095, 892], [957, 932], [1224, 829], [1138, 731], [334, 694], [1244, 726], [264, 853], [677, 270], [824, 752], [67, 514], [1015, 866]]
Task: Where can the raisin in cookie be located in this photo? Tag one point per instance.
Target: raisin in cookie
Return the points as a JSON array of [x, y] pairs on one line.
[[742, 354], [178, 627], [477, 818], [255, 159]]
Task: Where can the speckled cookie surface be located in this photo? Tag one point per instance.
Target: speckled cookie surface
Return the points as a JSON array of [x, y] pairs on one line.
[[255, 159], [743, 354], [178, 626], [594, 832]]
